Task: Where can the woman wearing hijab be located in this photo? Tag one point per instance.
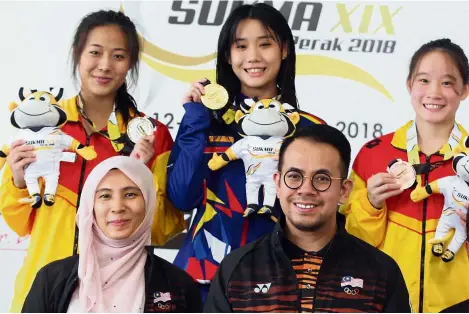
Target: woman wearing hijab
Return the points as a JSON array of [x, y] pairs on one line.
[[114, 271]]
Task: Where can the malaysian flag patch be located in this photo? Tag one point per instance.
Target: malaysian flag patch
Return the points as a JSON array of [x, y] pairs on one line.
[[161, 297]]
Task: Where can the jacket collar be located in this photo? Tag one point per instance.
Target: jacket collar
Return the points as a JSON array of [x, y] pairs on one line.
[[279, 233], [70, 106], [399, 139]]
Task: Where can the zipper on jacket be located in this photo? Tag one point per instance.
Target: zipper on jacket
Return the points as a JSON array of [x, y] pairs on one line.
[[422, 250], [80, 186], [292, 272]]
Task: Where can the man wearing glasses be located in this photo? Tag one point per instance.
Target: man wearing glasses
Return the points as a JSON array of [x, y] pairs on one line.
[[309, 263]]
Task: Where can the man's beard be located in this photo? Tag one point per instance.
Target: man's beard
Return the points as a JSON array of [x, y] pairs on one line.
[[314, 225], [309, 226]]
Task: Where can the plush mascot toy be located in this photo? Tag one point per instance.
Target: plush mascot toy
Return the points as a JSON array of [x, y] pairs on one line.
[[39, 117], [455, 189], [263, 127]]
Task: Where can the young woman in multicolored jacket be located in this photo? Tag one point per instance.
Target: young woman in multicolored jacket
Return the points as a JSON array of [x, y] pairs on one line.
[[256, 58]]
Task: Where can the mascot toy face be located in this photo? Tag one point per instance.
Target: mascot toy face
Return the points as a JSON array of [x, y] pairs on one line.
[[38, 109], [267, 117]]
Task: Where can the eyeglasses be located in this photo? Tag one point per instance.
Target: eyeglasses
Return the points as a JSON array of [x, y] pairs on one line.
[[321, 181]]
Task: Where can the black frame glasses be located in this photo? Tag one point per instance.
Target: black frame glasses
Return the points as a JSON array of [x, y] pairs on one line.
[[320, 181]]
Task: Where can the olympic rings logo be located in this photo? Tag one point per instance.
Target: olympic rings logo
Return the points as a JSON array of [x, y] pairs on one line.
[[351, 291], [163, 306]]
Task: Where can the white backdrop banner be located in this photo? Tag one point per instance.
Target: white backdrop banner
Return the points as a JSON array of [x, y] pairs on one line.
[[352, 63]]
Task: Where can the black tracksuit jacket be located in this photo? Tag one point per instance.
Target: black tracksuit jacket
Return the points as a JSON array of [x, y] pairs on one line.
[[260, 278], [55, 283]]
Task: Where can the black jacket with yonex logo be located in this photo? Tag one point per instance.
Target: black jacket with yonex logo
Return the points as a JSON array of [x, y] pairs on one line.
[[56, 282], [354, 277]]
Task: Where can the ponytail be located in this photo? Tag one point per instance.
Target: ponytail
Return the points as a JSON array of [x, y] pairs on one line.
[[125, 103]]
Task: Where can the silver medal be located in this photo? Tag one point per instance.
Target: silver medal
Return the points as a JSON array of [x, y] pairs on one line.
[[139, 127]]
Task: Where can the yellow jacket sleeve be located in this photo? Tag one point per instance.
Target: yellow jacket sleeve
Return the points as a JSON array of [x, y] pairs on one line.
[[19, 217], [363, 220], [168, 221]]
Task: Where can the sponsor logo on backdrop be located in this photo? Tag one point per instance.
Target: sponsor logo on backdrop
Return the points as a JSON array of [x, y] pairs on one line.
[[333, 29], [351, 18], [305, 21]]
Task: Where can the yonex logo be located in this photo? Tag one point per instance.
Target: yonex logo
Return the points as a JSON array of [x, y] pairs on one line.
[[262, 287]]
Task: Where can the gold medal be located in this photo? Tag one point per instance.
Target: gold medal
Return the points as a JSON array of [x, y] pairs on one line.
[[139, 127], [404, 173], [216, 96]]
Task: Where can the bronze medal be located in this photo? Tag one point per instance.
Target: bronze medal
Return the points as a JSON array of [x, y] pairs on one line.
[[404, 173]]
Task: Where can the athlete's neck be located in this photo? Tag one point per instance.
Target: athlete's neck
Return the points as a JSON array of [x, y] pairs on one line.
[[311, 241], [264, 92], [432, 136], [97, 106]]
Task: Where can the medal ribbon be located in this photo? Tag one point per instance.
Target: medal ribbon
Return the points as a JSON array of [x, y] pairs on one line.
[[413, 149], [113, 133]]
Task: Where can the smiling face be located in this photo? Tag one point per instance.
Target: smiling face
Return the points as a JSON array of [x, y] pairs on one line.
[[255, 57], [436, 88], [305, 208], [119, 206], [104, 61]]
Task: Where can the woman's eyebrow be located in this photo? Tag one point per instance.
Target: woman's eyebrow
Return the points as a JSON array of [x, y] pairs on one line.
[[130, 188], [126, 188], [103, 190]]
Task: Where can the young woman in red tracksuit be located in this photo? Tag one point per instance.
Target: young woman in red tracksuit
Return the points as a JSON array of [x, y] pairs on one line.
[[105, 51], [383, 214]]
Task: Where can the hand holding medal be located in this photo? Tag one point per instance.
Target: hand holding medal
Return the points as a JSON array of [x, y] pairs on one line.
[[384, 185], [139, 127], [212, 96], [404, 173], [401, 175], [215, 97], [140, 131]]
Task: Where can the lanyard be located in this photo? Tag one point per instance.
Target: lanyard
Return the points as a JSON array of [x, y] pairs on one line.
[[113, 133], [413, 148]]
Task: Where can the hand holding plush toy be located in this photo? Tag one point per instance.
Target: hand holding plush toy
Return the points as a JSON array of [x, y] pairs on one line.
[[263, 126], [39, 117], [455, 189]]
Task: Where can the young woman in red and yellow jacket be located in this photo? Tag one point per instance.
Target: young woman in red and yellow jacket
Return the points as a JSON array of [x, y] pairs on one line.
[[383, 214], [105, 50]]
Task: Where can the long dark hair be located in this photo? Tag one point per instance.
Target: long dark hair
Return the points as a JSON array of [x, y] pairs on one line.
[[124, 101], [273, 21]]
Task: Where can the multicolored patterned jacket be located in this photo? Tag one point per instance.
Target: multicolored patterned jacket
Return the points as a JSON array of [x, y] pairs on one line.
[[219, 197]]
